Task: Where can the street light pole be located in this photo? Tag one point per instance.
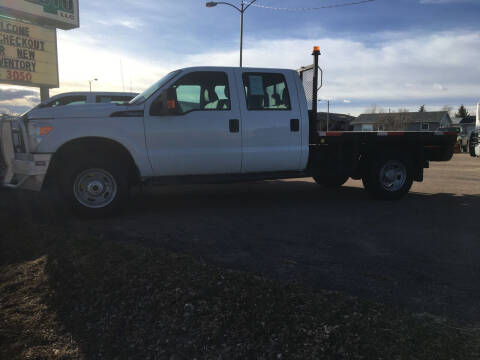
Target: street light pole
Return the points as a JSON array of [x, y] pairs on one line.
[[90, 83], [241, 10], [241, 34], [328, 115]]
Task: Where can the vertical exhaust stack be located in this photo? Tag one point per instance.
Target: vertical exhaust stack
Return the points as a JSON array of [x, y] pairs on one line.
[[475, 137], [477, 125], [316, 53]]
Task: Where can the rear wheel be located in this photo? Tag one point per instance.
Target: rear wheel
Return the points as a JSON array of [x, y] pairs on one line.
[[389, 178], [95, 187]]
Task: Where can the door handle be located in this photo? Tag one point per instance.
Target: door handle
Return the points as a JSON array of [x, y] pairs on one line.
[[294, 125], [234, 125]]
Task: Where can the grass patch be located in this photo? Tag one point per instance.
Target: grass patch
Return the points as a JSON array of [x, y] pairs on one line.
[[65, 296]]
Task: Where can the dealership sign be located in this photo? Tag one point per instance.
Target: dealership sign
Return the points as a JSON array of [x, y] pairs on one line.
[[61, 14], [28, 54]]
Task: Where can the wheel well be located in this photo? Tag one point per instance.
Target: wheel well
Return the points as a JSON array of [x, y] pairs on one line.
[[91, 146], [414, 154]]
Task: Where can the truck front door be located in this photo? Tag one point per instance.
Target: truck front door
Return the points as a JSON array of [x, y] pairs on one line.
[[271, 118], [193, 127]]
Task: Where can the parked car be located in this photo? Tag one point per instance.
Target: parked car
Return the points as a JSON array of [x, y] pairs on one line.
[[85, 97], [206, 125]]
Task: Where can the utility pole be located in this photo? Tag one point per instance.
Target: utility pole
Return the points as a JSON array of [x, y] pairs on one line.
[[328, 115]]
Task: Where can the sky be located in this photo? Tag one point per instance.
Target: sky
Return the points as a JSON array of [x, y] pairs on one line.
[[390, 54]]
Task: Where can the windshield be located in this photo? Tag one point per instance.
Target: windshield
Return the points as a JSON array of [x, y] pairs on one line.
[[152, 89]]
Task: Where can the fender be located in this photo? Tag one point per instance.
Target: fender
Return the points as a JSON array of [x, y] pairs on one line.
[[127, 131]]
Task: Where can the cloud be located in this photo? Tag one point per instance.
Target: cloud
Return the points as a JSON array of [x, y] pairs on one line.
[[411, 67], [445, 1], [439, 87], [400, 69], [132, 24], [16, 94]]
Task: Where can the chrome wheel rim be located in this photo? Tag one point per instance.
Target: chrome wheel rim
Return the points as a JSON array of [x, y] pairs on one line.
[[95, 188], [393, 175]]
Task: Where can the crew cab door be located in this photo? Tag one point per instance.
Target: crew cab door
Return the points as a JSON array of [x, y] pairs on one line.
[[271, 118], [193, 126]]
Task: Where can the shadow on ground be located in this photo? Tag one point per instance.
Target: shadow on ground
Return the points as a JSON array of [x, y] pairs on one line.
[[421, 252]]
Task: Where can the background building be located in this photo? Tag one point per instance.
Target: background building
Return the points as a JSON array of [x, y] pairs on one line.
[[406, 121]]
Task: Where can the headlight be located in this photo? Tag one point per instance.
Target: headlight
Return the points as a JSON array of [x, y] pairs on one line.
[[37, 131]]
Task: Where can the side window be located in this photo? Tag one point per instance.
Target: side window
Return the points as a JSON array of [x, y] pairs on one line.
[[197, 91], [189, 97], [68, 100], [114, 99], [266, 91]]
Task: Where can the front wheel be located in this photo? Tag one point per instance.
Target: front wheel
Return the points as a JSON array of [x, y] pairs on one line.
[[389, 178], [95, 187]]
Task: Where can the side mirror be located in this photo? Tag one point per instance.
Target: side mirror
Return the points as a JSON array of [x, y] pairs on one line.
[[157, 108], [172, 101], [165, 104]]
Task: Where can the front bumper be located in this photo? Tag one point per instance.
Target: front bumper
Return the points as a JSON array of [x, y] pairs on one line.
[[20, 170]]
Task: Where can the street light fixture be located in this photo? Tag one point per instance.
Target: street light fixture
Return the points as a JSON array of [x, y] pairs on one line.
[[90, 83], [243, 7]]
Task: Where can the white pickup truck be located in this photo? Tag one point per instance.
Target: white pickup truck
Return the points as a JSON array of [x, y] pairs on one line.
[[205, 125]]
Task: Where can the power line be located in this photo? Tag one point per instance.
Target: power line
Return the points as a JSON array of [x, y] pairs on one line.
[[314, 8]]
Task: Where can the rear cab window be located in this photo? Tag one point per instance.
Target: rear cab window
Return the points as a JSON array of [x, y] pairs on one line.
[[266, 91]]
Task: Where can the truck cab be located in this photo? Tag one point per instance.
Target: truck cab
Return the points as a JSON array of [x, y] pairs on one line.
[[227, 121]]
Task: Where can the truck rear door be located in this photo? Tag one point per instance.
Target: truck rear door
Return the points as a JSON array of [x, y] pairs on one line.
[[271, 120]]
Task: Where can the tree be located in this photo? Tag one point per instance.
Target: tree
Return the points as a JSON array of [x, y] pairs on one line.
[[403, 110], [422, 109], [462, 112], [374, 110]]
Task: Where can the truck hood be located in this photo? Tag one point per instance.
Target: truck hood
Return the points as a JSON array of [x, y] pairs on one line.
[[78, 111]]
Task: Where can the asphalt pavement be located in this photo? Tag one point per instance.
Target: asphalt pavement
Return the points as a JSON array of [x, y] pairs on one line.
[[421, 253]]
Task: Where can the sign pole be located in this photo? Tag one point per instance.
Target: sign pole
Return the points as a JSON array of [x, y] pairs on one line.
[[44, 94]]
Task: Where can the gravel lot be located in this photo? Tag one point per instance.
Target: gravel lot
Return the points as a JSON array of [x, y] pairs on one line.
[[421, 253]]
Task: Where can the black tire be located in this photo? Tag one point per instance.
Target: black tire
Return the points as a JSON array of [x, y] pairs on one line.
[[331, 181], [110, 181], [384, 187], [472, 151]]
